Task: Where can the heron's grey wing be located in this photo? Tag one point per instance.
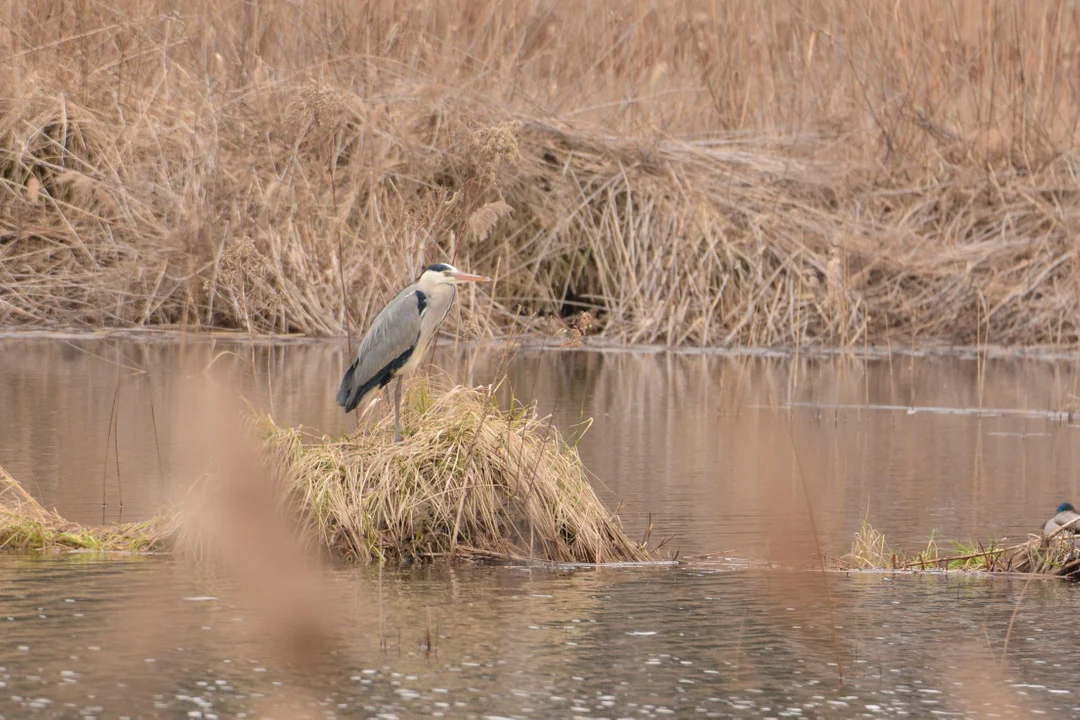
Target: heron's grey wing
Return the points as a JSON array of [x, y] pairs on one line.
[[386, 347]]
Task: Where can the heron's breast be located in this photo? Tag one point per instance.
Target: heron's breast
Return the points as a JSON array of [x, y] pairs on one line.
[[419, 350]]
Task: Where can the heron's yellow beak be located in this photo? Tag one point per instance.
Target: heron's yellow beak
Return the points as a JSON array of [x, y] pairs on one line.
[[466, 277]]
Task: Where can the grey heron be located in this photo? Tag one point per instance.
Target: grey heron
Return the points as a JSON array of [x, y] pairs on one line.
[[400, 336]]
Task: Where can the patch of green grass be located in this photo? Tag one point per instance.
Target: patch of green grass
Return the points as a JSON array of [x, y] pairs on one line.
[[45, 532]]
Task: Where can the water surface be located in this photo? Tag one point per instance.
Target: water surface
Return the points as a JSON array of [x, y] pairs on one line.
[[763, 457]]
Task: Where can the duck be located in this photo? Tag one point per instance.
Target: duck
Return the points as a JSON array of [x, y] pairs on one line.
[[1066, 514]]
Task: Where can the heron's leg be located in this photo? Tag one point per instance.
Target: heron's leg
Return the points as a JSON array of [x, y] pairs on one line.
[[397, 411]]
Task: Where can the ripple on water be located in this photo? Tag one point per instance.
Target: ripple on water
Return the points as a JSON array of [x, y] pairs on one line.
[[700, 443]]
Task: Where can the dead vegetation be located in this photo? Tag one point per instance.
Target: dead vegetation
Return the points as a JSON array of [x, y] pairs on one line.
[[1057, 555], [710, 174]]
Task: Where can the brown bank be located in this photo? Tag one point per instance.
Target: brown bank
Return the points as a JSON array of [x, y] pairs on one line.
[[748, 173]]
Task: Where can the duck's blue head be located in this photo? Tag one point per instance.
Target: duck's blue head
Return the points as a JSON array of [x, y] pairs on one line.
[[1066, 507]]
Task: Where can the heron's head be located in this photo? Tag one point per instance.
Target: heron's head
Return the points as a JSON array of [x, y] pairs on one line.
[[444, 274], [1066, 507]]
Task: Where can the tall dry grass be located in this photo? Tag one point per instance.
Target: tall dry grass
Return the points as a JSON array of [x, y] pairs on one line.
[[785, 171]]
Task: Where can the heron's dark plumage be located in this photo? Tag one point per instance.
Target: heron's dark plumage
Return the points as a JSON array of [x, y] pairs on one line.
[[439, 267], [379, 380], [421, 301], [343, 391]]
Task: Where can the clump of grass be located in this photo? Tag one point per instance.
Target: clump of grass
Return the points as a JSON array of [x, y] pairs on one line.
[[1038, 555], [869, 550], [469, 479], [26, 525], [972, 556]]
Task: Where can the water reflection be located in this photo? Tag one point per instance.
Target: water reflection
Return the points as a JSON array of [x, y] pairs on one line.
[[766, 456], [723, 452]]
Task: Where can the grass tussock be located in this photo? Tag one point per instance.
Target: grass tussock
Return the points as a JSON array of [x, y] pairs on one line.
[[708, 174], [1040, 555], [26, 525], [468, 479]]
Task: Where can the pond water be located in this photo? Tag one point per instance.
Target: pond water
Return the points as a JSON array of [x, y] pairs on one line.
[[751, 456]]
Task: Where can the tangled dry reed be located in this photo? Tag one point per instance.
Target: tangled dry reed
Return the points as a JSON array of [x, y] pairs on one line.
[[708, 174], [1057, 555], [469, 479]]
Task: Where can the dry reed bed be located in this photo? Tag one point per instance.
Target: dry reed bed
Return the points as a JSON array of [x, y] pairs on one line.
[[737, 173], [470, 480], [1057, 555]]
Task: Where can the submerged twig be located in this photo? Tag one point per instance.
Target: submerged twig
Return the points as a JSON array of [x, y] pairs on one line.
[[116, 448], [105, 462]]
